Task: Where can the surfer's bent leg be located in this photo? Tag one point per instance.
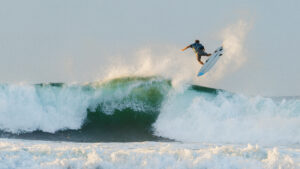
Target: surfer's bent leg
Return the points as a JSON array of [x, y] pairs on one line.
[[199, 59], [205, 54]]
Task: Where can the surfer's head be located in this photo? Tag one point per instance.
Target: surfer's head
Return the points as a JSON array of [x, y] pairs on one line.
[[197, 41]]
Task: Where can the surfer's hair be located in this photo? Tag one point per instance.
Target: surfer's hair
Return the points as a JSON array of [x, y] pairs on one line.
[[197, 41]]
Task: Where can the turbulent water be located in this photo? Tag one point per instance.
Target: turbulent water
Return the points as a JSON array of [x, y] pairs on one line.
[[118, 110], [159, 126]]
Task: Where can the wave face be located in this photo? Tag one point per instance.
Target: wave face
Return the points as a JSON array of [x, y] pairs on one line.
[[121, 109], [145, 108]]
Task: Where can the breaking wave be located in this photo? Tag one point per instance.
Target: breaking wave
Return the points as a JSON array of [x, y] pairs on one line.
[[145, 108]]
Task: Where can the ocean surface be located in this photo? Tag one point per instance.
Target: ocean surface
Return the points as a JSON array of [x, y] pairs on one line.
[[144, 122]]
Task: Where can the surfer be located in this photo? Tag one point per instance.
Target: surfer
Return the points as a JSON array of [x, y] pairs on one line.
[[198, 49]]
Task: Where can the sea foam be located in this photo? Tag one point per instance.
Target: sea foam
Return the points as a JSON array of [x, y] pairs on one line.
[[229, 118], [41, 154]]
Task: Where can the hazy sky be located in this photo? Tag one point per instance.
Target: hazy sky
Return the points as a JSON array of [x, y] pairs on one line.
[[74, 40]]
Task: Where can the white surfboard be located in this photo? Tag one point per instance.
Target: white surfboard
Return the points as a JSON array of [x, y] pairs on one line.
[[211, 61]]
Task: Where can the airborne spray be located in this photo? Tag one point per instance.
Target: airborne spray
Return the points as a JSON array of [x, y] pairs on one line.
[[234, 57], [180, 67], [171, 64]]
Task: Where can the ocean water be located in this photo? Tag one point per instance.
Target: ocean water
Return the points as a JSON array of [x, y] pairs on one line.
[[144, 122]]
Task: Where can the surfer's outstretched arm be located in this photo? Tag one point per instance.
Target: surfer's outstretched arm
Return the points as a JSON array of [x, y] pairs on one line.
[[185, 48]]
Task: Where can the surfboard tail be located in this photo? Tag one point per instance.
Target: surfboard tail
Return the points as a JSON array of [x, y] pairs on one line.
[[211, 61], [200, 73]]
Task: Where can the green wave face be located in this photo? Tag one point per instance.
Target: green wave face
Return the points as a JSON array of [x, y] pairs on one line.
[[127, 107], [120, 109]]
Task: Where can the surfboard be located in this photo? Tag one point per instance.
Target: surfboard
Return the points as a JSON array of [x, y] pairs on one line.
[[211, 61]]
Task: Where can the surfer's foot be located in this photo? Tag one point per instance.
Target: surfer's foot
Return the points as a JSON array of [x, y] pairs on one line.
[[201, 62], [209, 54]]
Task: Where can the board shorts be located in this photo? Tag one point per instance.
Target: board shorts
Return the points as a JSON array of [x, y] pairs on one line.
[[201, 53]]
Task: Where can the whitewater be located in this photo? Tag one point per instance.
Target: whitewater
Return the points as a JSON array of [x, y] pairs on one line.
[[144, 122]]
